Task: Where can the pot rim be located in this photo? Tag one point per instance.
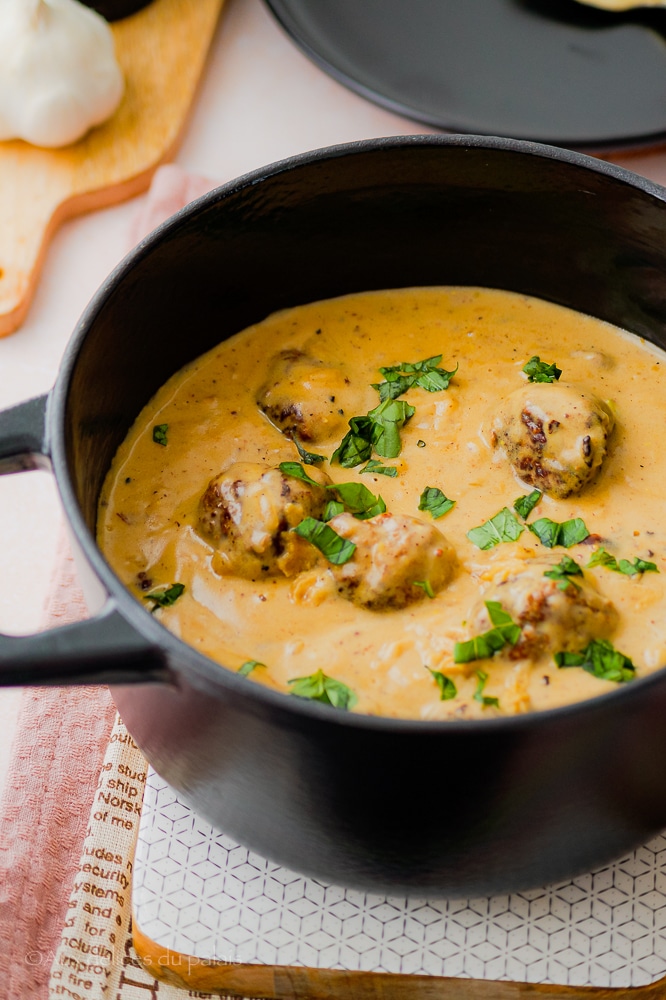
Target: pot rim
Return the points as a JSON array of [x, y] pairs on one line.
[[215, 676]]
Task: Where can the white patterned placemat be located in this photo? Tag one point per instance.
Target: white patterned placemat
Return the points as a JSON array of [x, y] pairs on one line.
[[197, 892]]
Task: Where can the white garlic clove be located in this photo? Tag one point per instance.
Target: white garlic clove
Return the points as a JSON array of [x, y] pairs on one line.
[[58, 71]]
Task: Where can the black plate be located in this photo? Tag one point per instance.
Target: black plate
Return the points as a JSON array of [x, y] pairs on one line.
[[548, 70]]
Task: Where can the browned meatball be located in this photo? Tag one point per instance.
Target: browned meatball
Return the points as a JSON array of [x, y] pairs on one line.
[[306, 398], [247, 513], [394, 553], [555, 436], [552, 618]]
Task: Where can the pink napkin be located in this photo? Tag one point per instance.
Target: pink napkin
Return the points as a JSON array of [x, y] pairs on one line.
[[61, 738]]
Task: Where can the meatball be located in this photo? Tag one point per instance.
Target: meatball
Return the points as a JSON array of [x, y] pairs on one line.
[[552, 618], [306, 398], [554, 435], [247, 512], [394, 554]]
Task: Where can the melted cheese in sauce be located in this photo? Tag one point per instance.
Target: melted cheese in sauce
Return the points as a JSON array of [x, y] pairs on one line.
[[148, 514]]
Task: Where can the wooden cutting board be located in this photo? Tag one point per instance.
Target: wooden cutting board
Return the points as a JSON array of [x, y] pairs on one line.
[[162, 51]]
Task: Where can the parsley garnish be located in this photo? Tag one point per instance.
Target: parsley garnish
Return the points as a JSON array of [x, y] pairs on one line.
[[503, 527], [600, 659], [165, 596], [525, 505], [308, 457], [566, 567], [483, 646], [426, 374], [160, 434], [481, 681], [425, 585], [320, 687], [447, 688], [433, 500], [539, 371], [639, 566], [249, 666], [381, 470], [568, 533], [336, 549]]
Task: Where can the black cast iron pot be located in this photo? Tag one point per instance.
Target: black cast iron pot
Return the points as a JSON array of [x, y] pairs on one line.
[[455, 808]]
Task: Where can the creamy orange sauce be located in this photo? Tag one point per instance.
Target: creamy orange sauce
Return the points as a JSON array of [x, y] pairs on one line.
[[148, 514]]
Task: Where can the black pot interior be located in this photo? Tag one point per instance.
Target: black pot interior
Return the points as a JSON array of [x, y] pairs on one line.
[[388, 214]]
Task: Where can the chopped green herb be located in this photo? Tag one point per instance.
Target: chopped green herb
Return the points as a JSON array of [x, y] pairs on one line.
[[336, 549], [374, 466], [332, 509], [426, 374], [639, 566], [388, 418], [447, 688], [503, 527], [483, 646], [425, 585], [359, 500], [433, 500], [600, 659], [320, 687], [526, 504], [296, 470], [566, 568], [420, 443], [160, 434], [165, 596], [539, 371], [249, 666], [308, 457], [481, 681], [550, 533], [356, 445]]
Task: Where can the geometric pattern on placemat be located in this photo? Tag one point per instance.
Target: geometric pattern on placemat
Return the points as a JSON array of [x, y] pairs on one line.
[[197, 892]]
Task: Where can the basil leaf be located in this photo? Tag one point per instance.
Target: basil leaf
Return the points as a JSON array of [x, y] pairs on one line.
[[550, 533], [332, 509], [387, 420], [483, 646], [503, 527], [603, 558], [296, 470], [566, 568], [481, 681], [426, 374], [374, 466], [600, 659], [433, 500], [356, 445], [539, 371], [160, 434], [308, 457], [358, 499], [320, 687], [447, 688], [425, 585], [249, 666], [336, 549], [526, 504], [165, 596]]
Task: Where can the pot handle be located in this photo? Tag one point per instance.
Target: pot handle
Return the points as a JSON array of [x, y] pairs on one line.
[[105, 649]]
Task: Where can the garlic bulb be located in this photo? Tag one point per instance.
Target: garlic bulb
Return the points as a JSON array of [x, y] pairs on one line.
[[58, 71]]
